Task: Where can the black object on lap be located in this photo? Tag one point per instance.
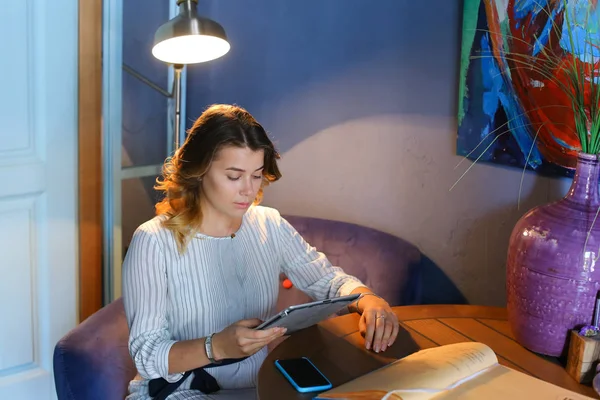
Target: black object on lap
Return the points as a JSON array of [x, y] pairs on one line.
[[160, 389]]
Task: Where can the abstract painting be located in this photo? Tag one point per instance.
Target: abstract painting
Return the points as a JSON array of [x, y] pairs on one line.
[[512, 108]]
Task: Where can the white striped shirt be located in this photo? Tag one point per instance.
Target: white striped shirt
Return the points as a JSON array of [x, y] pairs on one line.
[[170, 296]]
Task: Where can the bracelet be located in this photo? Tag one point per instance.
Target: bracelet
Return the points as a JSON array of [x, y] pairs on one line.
[[367, 294], [208, 349]]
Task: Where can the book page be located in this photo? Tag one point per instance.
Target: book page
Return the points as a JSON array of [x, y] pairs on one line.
[[501, 383], [421, 375]]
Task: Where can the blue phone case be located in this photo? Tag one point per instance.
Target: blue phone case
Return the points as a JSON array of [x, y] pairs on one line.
[[304, 389]]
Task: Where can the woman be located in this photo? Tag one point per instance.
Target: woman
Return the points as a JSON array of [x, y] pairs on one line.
[[202, 273]]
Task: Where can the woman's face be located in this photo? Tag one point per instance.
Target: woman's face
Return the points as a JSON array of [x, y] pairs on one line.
[[233, 180]]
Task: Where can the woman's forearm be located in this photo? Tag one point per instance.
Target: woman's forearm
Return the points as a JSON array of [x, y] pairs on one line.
[[187, 355]]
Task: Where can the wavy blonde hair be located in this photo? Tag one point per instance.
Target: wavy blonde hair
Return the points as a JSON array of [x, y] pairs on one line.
[[219, 126]]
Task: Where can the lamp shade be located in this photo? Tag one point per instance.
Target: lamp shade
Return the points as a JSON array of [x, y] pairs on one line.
[[189, 38]]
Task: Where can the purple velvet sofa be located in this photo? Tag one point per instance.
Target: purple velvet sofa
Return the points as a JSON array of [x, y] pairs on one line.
[[92, 361]]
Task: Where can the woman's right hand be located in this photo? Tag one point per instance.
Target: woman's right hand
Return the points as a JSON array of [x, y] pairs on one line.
[[239, 340]]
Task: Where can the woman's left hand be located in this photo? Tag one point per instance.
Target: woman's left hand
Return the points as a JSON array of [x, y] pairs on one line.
[[378, 323]]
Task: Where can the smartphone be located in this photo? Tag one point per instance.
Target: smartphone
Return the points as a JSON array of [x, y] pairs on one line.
[[303, 375]]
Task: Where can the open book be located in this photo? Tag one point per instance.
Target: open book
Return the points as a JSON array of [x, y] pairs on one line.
[[468, 371]]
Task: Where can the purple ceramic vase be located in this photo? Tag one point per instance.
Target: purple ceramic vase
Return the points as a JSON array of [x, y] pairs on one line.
[[552, 280]]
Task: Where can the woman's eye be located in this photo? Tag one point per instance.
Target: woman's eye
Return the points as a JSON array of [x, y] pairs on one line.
[[231, 178], [257, 176]]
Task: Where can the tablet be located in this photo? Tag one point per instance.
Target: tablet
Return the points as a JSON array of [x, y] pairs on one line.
[[302, 316]]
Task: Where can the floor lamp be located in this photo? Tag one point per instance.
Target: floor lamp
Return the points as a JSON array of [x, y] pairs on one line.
[[186, 39]]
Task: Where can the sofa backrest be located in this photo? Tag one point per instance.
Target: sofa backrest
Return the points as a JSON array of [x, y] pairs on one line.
[[385, 263]]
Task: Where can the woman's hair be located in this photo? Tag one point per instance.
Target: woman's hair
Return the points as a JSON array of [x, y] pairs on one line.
[[218, 127]]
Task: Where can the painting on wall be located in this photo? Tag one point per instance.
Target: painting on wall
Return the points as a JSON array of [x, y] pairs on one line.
[[512, 107]]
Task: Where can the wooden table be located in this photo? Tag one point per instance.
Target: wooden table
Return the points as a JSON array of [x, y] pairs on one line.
[[337, 348]]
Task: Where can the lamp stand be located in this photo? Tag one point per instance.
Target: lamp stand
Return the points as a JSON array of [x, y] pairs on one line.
[[178, 133]]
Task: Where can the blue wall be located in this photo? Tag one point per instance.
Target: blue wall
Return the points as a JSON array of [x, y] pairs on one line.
[[360, 96], [302, 66]]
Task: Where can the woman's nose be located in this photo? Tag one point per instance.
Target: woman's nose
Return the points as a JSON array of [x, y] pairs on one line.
[[247, 187]]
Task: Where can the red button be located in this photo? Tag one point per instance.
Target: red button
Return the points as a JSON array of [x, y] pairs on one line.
[[287, 284]]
